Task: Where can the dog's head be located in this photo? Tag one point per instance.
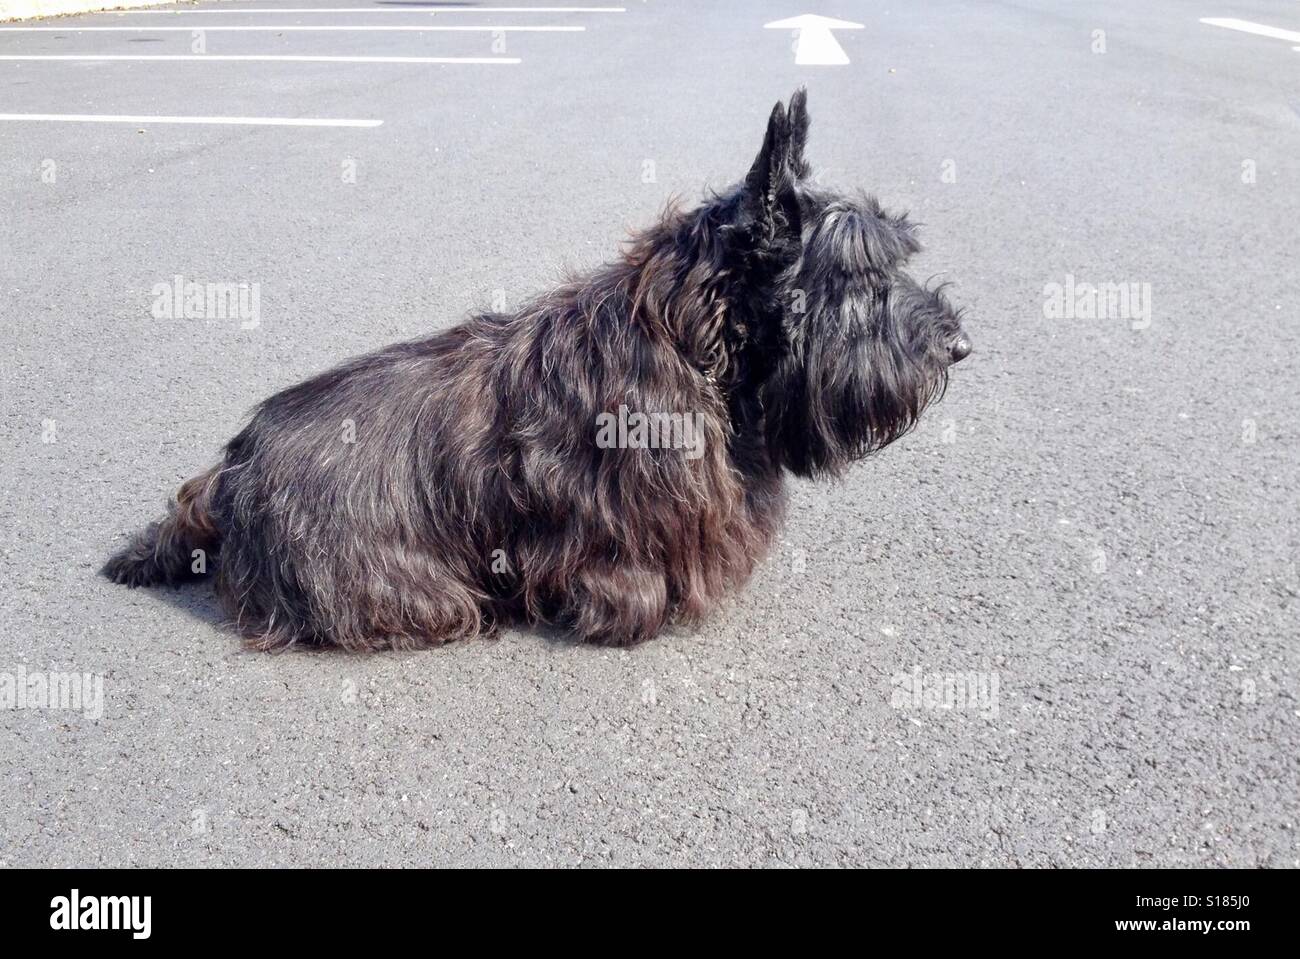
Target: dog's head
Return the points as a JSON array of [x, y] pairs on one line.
[[855, 347]]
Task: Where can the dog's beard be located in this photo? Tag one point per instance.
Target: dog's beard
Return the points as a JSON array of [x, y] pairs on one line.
[[835, 403], [858, 371]]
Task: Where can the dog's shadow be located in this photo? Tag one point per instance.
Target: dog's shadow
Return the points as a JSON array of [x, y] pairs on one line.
[[199, 600]]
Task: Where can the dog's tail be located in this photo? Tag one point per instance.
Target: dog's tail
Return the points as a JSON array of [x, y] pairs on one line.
[[175, 548]]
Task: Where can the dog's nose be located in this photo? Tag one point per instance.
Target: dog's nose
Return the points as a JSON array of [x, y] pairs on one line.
[[960, 348]]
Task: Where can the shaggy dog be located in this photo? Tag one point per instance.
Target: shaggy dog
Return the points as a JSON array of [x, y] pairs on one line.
[[438, 488]]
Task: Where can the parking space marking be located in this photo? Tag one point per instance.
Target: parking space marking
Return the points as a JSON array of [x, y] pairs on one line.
[[1259, 29], [426, 24], [277, 58], [312, 28], [227, 121], [431, 8]]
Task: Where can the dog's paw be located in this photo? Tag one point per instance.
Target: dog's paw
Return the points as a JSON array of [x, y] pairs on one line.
[[127, 569]]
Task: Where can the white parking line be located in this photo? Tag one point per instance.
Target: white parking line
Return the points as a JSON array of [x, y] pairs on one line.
[[233, 121], [249, 57], [1259, 29], [411, 9], [281, 28]]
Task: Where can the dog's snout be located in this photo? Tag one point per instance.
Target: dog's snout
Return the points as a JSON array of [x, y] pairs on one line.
[[960, 348]]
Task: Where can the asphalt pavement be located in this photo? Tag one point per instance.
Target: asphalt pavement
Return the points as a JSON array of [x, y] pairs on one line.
[[1096, 530]]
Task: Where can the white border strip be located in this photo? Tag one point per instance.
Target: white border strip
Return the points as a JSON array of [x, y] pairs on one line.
[[282, 28], [226, 121], [246, 58], [1259, 29]]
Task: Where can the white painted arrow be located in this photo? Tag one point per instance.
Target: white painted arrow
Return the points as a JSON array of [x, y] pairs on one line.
[[816, 45]]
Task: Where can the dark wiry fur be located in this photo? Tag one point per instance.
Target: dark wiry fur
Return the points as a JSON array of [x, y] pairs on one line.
[[475, 492]]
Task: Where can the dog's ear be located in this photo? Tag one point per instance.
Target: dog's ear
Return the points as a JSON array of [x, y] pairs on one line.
[[770, 181], [798, 118]]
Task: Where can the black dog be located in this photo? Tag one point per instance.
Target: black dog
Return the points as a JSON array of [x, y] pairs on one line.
[[438, 488]]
